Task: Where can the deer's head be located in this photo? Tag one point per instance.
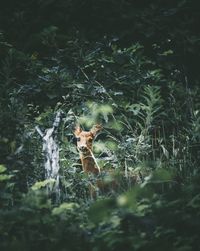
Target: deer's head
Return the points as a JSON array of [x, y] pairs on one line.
[[85, 138]]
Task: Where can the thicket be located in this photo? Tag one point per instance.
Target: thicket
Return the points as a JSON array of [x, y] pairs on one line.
[[131, 66]]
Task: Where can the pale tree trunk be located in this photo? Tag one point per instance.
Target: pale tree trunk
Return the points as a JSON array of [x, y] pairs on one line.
[[50, 150]]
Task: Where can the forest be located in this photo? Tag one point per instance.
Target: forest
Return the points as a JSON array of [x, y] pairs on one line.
[[120, 81]]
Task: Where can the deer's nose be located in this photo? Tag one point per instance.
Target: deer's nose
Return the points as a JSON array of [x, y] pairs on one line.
[[82, 148]]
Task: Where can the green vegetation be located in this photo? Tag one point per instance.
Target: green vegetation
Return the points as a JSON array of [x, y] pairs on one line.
[[131, 66]]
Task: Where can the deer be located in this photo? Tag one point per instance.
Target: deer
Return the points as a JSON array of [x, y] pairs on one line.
[[84, 143], [105, 182]]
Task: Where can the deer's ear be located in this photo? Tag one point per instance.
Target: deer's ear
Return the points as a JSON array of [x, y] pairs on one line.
[[95, 129], [77, 130]]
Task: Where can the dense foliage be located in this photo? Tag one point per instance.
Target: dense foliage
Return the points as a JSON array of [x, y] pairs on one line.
[[131, 66]]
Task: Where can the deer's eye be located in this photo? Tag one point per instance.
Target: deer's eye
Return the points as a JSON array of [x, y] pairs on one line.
[[78, 139], [90, 140]]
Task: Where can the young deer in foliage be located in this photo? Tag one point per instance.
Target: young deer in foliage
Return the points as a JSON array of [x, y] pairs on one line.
[[88, 161], [84, 146], [110, 180]]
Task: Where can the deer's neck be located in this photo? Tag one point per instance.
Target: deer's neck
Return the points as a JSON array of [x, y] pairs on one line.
[[88, 163]]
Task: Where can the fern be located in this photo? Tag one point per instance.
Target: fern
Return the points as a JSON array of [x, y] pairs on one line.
[[150, 107]]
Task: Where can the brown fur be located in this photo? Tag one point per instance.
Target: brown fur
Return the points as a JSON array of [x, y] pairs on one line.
[[110, 180], [84, 146]]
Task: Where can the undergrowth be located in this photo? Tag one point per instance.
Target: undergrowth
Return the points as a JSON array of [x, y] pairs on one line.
[[133, 72]]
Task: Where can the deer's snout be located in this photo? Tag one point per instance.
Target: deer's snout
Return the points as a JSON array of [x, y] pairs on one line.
[[83, 148]]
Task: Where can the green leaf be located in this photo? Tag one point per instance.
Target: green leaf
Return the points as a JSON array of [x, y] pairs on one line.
[[195, 202], [65, 207], [5, 177], [101, 210], [2, 169], [41, 184], [166, 53], [160, 175]]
